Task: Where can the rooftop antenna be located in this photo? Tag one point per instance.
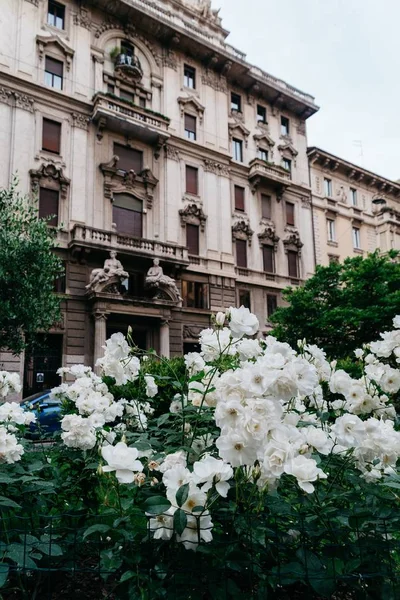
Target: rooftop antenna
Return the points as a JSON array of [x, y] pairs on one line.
[[359, 145]]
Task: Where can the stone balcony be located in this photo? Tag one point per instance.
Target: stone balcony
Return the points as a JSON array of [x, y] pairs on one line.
[[268, 174], [121, 116], [82, 237]]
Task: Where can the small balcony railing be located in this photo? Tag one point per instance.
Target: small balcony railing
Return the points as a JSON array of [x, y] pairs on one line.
[[130, 64], [269, 172]]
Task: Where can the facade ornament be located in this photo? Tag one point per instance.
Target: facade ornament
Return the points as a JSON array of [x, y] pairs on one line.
[[191, 332], [51, 174], [79, 120], [83, 18], [306, 201], [292, 240], [241, 230], [342, 195], [192, 102], [215, 81], [106, 26], [118, 181], [45, 40], [109, 278], [5, 95], [238, 127], [227, 67], [268, 237], [193, 215], [301, 128], [289, 148], [211, 166], [163, 286], [172, 152], [263, 138], [24, 101]]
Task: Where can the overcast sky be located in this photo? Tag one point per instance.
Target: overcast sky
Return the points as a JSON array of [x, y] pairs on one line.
[[345, 53]]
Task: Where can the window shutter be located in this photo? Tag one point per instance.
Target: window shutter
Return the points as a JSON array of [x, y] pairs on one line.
[[51, 136], [48, 205], [190, 123], [192, 239], [292, 264], [265, 206], [129, 158], [54, 66], [128, 222], [241, 253], [272, 304], [191, 180], [268, 256], [239, 198], [289, 213]]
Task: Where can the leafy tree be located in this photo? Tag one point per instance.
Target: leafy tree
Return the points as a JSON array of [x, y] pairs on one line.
[[28, 268], [343, 305]]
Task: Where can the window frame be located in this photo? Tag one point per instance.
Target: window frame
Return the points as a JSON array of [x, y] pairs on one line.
[[46, 147], [356, 234], [240, 204], [271, 254], [353, 197], [328, 187], [57, 5], [295, 255], [290, 214], [201, 290], [190, 134], [285, 126], [193, 249], [275, 297], [331, 225], [265, 152], [187, 78], [54, 221], [243, 244], [138, 153], [260, 118], [53, 75], [289, 162], [267, 198], [237, 143], [237, 104], [195, 190], [244, 292], [135, 220]]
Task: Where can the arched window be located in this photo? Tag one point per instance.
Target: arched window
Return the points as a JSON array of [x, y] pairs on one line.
[[128, 215]]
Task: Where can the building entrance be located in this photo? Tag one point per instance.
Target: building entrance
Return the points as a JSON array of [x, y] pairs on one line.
[[40, 370]]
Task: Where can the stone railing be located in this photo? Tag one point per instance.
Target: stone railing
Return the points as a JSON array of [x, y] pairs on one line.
[[111, 240], [107, 106], [262, 169]]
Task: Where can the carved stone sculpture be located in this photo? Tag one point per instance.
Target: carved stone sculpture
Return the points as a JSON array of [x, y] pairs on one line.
[[109, 277], [158, 282]]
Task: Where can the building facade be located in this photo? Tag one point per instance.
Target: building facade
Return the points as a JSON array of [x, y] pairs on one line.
[[354, 211], [139, 129]]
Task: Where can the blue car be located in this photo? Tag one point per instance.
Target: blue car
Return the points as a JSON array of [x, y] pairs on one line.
[[47, 411]]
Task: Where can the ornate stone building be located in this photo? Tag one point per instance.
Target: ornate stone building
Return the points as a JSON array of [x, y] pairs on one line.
[[354, 211], [141, 130]]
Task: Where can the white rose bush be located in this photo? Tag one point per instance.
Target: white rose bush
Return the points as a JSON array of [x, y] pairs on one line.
[[278, 450]]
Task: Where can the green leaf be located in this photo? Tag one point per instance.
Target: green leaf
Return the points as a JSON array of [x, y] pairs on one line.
[[49, 549], [8, 502], [180, 521], [127, 575], [182, 494], [156, 505], [392, 484], [4, 568], [18, 554], [99, 528]]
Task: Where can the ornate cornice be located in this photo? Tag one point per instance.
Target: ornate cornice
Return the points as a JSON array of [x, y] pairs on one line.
[[22, 101], [192, 102], [52, 174], [6, 95], [217, 168], [241, 230], [83, 18], [268, 237], [79, 120], [193, 215], [288, 147], [292, 240], [170, 60], [259, 138], [215, 81], [172, 152]]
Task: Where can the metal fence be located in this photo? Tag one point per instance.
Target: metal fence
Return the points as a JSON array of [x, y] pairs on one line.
[[57, 557]]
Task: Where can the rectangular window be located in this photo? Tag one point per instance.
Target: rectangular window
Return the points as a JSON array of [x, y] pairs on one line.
[[356, 238], [135, 284], [353, 196], [237, 150], [128, 215], [125, 95], [110, 89], [261, 114], [190, 127], [266, 204], [239, 198], [142, 102], [195, 294], [241, 253], [51, 136], [263, 154], [129, 158], [285, 126], [328, 187], [236, 103], [48, 205], [292, 264], [331, 230], [192, 239], [60, 282], [56, 15], [189, 77], [268, 259], [245, 298], [192, 180], [289, 213], [53, 74], [272, 304], [287, 164]]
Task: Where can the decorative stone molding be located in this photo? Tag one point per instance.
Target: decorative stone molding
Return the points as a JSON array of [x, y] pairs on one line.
[[306, 201], [172, 153], [79, 120], [46, 40], [170, 60], [241, 230], [215, 81], [162, 287], [292, 240], [301, 128], [193, 215], [140, 184], [83, 18], [191, 332], [240, 129], [342, 195], [193, 103], [288, 148], [22, 101], [268, 237], [5, 95], [110, 24], [263, 139], [210, 166], [51, 174], [109, 278]]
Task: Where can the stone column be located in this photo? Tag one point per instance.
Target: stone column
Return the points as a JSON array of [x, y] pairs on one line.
[[164, 339], [100, 336]]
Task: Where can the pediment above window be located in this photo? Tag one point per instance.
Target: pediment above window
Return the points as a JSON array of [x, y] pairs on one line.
[[192, 103], [193, 215], [48, 42], [292, 240], [268, 237], [51, 175], [288, 149], [118, 181], [241, 230], [263, 139], [238, 130]]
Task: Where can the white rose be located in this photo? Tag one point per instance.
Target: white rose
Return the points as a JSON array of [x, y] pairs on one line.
[[305, 470], [242, 322], [151, 386], [122, 460]]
